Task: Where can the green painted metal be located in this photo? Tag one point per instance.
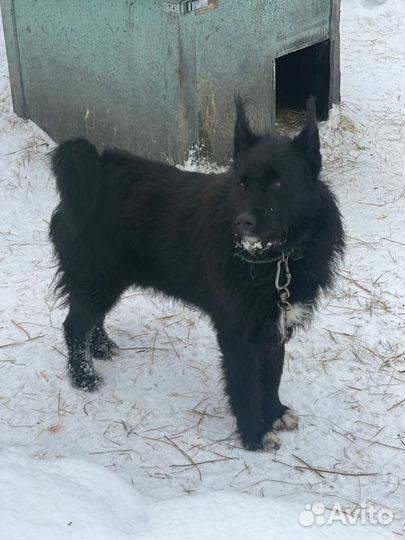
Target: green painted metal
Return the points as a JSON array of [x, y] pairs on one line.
[[127, 74]]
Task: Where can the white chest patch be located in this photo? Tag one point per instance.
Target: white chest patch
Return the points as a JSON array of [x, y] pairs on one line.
[[298, 315]]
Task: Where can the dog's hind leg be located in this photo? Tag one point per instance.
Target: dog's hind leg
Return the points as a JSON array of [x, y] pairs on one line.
[[101, 346], [78, 326], [85, 317]]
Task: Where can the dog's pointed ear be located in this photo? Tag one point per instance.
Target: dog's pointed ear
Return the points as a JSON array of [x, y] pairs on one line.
[[308, 140], [243, 138]]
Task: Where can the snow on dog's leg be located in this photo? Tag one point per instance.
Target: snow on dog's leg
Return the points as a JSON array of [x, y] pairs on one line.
[[78, 325], [101, 346], [88, 306]]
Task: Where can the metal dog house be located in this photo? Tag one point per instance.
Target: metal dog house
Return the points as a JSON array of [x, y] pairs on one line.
[[156, 77]]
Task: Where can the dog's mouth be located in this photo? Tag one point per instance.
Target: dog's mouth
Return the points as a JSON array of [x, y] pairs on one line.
[[254, 245]]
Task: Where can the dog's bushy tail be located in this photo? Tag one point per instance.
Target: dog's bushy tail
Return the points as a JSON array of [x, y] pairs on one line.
[[76, 166]]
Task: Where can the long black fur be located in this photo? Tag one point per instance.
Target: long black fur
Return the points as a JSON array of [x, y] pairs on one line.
[[124, 220]]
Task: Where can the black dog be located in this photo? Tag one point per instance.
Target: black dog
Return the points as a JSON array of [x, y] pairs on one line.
[[252, 248]]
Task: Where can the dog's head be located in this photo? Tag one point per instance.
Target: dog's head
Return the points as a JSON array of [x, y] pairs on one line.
[[274, 180]]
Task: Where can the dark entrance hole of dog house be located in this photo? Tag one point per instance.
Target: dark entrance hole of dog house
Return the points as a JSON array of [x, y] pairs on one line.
[[302, 74]]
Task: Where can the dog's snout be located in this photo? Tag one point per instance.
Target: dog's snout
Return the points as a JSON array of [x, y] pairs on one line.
[[246, 222]]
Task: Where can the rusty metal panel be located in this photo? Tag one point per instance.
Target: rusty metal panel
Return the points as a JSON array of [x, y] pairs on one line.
[[298, 24], [235, 47], [234, 53], [106, 70]]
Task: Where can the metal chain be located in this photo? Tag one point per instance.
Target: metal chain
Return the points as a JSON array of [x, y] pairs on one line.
[[284, 294], [282, 288]]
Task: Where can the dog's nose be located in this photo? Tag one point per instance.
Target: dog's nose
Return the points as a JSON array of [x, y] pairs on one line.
[[246, 222]]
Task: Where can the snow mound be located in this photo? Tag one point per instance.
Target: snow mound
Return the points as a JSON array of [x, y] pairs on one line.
[[74, 498], [65, 498]]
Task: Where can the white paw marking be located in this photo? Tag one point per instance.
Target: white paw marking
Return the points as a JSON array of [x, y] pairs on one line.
[[271, 440], [278, 425], [288, 421]]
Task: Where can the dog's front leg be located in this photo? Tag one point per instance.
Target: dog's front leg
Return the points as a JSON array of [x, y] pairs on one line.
[[241, 368], [276, 415]]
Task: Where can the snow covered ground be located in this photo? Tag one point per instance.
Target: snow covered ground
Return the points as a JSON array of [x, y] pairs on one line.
[[153, 454]]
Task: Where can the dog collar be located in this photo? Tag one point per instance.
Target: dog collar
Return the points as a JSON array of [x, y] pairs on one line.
[[290, 253]]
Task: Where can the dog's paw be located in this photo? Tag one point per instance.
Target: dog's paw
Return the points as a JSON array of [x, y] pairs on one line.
[[266, 440], [90, 382], [288, 421], [271, 441]]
